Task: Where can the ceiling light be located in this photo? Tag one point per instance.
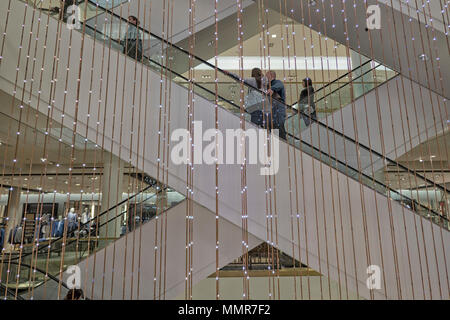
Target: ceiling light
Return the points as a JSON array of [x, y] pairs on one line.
[[274, 36]]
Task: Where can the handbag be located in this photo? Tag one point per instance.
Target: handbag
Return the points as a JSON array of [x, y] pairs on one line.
[[307, 109], [253, 101]]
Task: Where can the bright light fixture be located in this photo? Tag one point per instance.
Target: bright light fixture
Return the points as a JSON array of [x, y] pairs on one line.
[[276, 63]]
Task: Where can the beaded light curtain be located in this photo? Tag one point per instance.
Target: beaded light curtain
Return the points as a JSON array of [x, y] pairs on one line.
[[224, 149]]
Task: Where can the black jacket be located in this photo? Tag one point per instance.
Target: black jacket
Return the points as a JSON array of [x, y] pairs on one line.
[[307, 97]]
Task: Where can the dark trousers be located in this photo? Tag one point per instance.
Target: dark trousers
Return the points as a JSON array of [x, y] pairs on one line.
[[132, 49], [310, 118]]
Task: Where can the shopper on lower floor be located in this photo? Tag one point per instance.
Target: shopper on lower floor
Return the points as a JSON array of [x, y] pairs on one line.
[[275, 85]]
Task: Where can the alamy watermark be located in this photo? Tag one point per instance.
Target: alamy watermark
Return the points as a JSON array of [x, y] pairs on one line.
[[260, 146], [374, 280], [73, 17], [373, 17], [73, 273]]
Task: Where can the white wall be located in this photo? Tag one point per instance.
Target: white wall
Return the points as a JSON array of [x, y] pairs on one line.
[[369, 221]]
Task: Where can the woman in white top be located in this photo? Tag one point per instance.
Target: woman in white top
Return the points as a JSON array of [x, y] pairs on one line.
[[259, 82]]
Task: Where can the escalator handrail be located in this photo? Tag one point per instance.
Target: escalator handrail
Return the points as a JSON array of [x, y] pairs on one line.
[[4, 289]]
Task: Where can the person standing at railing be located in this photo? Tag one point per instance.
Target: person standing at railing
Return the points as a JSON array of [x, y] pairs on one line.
[[132, 44], [306, 102]]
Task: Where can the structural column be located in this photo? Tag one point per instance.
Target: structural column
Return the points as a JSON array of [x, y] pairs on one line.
[[111, 195]]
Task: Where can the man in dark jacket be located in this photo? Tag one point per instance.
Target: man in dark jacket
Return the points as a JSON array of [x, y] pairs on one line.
[[278, 115], [275, 85]]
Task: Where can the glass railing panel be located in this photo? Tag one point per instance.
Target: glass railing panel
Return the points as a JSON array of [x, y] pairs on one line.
[[335, 96], [109, 4]]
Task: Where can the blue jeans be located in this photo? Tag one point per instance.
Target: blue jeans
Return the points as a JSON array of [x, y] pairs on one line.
[[259, 119]]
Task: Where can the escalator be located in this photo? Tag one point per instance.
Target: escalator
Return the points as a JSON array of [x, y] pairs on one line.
[[341, 157], [37, 271], [336, 149]]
